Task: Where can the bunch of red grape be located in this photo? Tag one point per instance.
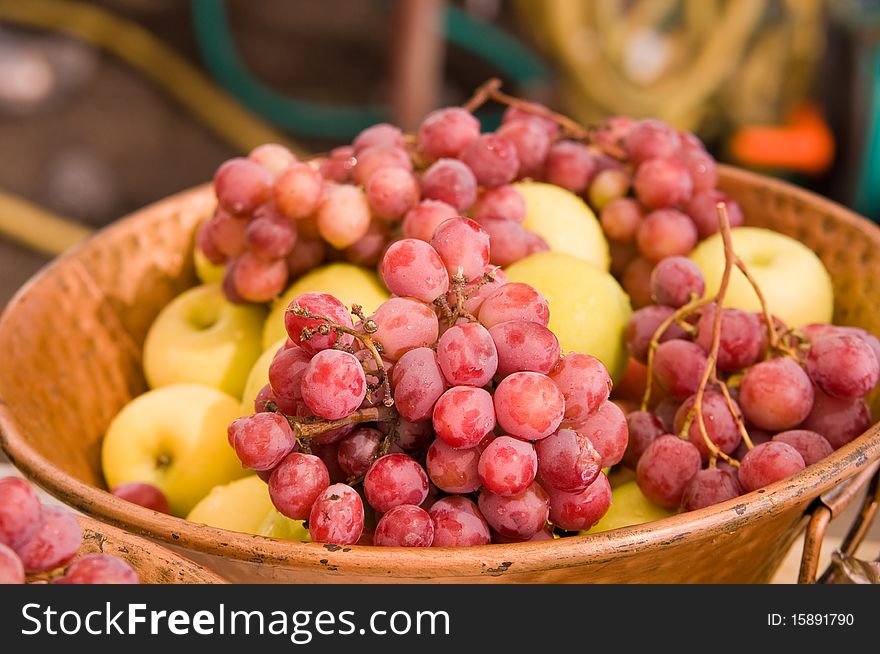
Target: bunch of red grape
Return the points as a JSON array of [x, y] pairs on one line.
[[38, 539], [797, 401], [482, 430]]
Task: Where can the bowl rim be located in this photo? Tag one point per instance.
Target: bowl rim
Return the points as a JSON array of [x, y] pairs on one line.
[[418, 563]]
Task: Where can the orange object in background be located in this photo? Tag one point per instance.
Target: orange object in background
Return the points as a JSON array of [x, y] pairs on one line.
[[804, 144]]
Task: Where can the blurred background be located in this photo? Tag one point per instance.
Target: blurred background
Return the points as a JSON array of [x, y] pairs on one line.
[[108, 105]]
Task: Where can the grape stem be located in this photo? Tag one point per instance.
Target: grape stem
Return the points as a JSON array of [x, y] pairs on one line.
[[307, 428]]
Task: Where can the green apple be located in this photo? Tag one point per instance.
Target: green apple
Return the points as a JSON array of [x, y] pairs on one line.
[[349, 283], [276, 525], [207, 272], [565, 221], [588, 308], [793, 280], [202, 338], [241, 505], [258, 377], [629, 506], [174, 437]]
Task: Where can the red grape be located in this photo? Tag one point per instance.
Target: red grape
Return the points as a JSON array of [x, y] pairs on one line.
[[337, 516], [580, 511], [227, 233], [608, 432], [666, 233], [636, 281], [463, 246], [811, 446], [270, 235], [242, 185], [662, 183], [525, 346], [458, 523], [710, 486], [467, 355], [621, 218], [507, 466], [143, 494], [421, 221], [344, 216], [404, 324], [528, 405], [206, 245], [649, 139], [273, 157], [643, 429], [414, 435], [453, 470], [452, 182], [704, 212], [413, 268], [584, 382], [54, 543], [679, 367], [718, 420], [382, 134], [99, 569], [776, 395], [357, 451], [20, 511], [570, 165], [405, 526], [509, 240], [258, 280], [477, 290], [376, 157], [418, 383], [642, 326], [392, 192], [333, 384], [701, 167], [492, 158], [325, 306], [11, 568], [675, 281], [838, 420], [307, 253], [285, 377], [328, 453], [767, 463], [502, 203], [666, 468], [532, 111], [568, 461], [337, 167], [843, 365], [296, 483], [514, 301], [445, 132], [518, 516], [531, 141], [464, 416], [297, 191], [395, 479], [740, 342]]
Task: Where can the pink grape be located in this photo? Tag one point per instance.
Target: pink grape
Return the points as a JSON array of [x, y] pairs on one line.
[[649, 139], [337, 167], [702, 210], [264, 396], [701, 168], [507, 466], [270, 235], [242, 185], [643, 429], [413, 268], [502, 203], [464, 416], [606, 186], [297, 191], [531, 141], [357, 450], [417, 383], [525, 346], [333, 384], [675, 281], [463, 246], [344, 216], [710, 486], [382, 134], [642, 326], [421, 221], [206, 245], [532, 111], [843, 365], [392, 192], [325, 306], [838, 420], [768, 463], [262, 440], [258, 280], [665, 412], [414, 435], [718, 420], [518, 516], [467, 355], [296, 483], [478, 289], [337, 516], [273, 157], [227, 232], [621, 218], [528, 405], [570, 165], [376, 157], [567, 460], [776, 395], [608, 432], [581, 510], [493, 160], [584, 382], [666, 468], [404, 526], [509, 240], [514, 301], [740, 343], [453, 470], [666, 233], [307, 253], [20, 511], [143, 494], [395, 479], [614, 130], [285, 377], [11, 568], [452, 182], [404, 324], [662, 183], [811, 446], [678, 367], [446, 132], [458, 523], [54, 543], [99, 569]]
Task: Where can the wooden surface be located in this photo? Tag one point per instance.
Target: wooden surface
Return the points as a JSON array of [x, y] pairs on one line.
[[72, 339]]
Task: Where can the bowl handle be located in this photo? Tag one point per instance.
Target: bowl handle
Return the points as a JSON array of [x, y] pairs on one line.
[[829, 506]]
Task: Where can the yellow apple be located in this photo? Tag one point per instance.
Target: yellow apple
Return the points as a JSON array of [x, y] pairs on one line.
[[241, 505], [588, 309], [276, 525], [565, 221], [792, 278], [629, 506], [202, 338], [349, 283], [207, 272], [174, 437], [258, 377]]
